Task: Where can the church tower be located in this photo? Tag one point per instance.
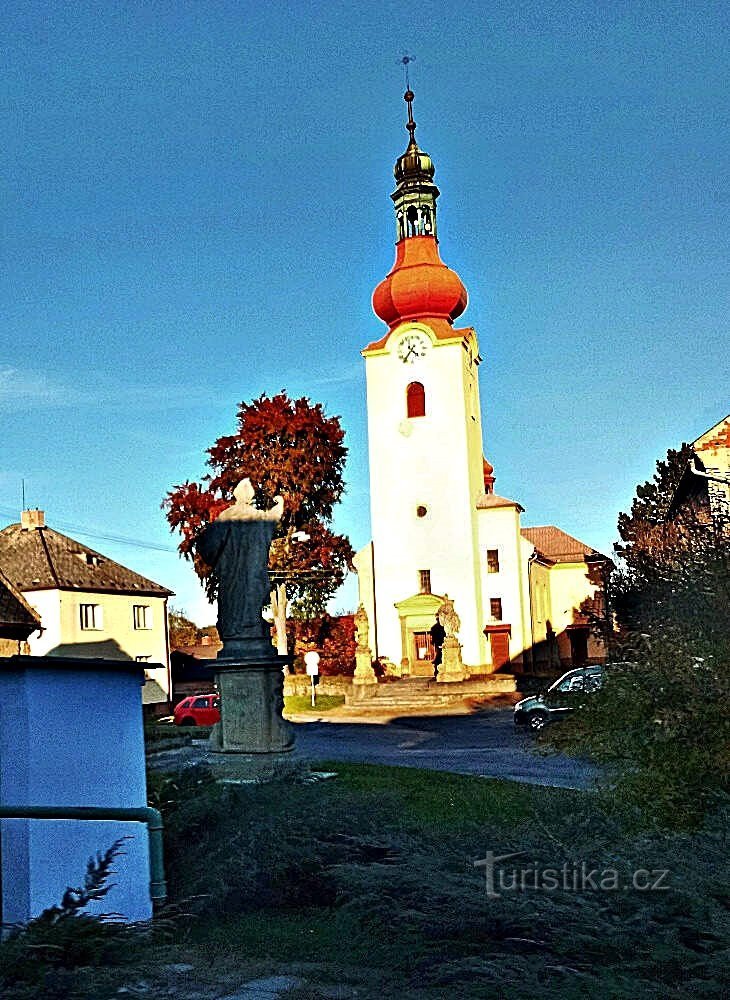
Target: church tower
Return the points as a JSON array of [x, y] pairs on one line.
[[425, 438]]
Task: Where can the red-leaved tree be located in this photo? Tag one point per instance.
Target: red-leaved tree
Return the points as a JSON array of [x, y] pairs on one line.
[[289, 448]]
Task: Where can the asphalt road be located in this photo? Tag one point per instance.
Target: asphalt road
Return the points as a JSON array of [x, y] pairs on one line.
[[485, 743]]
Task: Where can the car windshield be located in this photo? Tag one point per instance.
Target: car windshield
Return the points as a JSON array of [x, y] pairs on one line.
[[574, 683]]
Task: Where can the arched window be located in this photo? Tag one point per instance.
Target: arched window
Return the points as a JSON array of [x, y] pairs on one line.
[[412, 216], [416, 400]]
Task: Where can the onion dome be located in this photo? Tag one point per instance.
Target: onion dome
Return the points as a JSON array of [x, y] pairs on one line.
[[414, 164], [420, 285]]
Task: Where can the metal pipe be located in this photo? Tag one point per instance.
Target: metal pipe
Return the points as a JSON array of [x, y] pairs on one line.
[[152, 818]]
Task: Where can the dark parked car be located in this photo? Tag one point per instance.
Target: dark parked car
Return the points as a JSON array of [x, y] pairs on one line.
[[563, 696], [198, 710]]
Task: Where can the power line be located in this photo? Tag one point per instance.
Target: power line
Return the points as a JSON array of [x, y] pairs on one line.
[[119, 539]]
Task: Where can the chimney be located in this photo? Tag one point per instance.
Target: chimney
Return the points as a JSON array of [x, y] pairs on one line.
[[30, 519]]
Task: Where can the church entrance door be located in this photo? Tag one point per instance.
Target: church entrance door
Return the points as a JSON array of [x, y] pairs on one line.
[[499, 642]]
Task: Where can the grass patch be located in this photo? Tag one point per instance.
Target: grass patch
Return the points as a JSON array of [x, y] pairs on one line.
[[303, 703], [443, 801], [367, 883]]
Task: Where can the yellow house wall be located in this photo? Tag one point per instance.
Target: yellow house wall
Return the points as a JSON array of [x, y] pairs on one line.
[[47, 604], [540, 601], [117, 639], [569, 587]]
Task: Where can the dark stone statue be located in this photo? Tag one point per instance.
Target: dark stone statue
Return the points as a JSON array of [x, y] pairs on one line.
[[236, 547]]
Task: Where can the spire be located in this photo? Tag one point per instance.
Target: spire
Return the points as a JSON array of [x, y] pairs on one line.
[[409, 98], [420, 285], [415, 194]]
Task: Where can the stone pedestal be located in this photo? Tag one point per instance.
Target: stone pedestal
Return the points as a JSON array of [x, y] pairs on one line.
[[252, 739], [364, 673], [452, 666]]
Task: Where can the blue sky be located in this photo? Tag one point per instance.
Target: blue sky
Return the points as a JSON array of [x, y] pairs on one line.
[[196, 210]]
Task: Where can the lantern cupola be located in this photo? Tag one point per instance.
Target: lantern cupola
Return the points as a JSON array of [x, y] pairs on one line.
[[415, 194]]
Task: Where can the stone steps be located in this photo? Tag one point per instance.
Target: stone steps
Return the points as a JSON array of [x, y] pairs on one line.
[[426, 692]]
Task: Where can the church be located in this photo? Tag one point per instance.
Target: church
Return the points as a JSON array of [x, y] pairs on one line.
[[524, 596]]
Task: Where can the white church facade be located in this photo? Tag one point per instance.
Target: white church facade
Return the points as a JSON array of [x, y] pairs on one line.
[[524, 596]]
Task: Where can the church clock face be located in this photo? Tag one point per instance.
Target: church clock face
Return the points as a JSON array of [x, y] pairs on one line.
[[413, 347]]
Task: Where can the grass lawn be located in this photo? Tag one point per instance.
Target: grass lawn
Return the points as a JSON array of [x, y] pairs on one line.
[[303, 702], [365, 884]]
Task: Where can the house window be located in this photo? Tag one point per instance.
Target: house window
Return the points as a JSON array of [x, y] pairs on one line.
[[424, 581], [495, 608], [142, 616], [91, 616], [416, 400], [492, 560]]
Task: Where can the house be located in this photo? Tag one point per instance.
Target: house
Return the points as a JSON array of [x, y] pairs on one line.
[[704, 488], [523, 597], [191, 668], [88, 605], [17, 619], [567, 585]]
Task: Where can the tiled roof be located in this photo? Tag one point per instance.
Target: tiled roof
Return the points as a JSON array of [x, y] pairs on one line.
[[44, 559], [202, 651], [15, 611], [488, 501], [558, 546]]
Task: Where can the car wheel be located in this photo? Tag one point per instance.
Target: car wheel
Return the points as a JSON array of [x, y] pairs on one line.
[[537, 721], [188, 721]]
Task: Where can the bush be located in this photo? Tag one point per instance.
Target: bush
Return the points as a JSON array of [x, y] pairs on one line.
[[662, 726]]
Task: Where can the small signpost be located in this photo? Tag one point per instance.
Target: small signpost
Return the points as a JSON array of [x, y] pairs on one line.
[[311, 662]]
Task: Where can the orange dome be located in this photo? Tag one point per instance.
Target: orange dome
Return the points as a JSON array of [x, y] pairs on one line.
[[419, 285], [488, 474]]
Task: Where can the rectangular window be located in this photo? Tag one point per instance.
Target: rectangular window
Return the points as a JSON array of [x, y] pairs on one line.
[[492, 560], [424, 581], [495, 608], [91, 616], [142, 616]]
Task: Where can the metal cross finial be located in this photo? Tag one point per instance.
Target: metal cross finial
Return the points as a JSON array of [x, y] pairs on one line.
[[408, 98], [405, 61]]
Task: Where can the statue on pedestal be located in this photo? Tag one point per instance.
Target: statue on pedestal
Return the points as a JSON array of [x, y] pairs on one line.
[[236, 547], [364, 673], [452, 666], [248, 671]]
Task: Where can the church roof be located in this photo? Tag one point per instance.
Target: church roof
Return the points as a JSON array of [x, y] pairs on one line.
[[488, 501], [558, 546], [44, 559]]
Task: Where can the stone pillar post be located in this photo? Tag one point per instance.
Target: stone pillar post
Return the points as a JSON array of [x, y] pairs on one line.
[[452, 666]]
